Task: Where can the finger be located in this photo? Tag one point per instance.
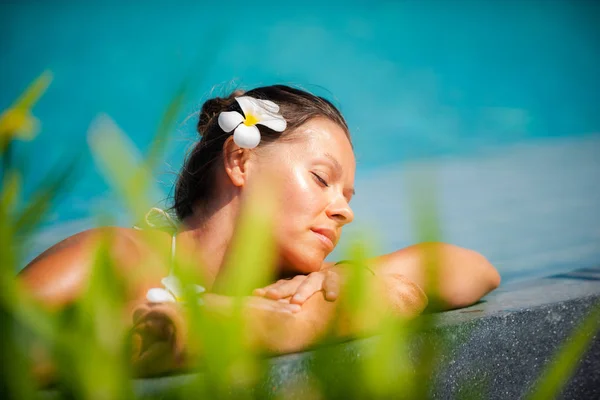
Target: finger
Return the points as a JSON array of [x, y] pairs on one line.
[[159, 322], [332, 285], [153, 328], [285, 287], [177, 332], [293, 308], [310, 286], [272, 285], [273, 305], [139, 312]]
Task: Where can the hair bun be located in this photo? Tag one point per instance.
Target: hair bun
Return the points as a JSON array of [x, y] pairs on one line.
[[213, 107]]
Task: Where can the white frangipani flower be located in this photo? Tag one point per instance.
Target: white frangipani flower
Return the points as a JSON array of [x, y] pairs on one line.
[[171, 293], [256, 111]]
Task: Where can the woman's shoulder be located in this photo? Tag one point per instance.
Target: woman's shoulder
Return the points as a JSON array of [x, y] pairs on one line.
[[124, 242], [59, 273]]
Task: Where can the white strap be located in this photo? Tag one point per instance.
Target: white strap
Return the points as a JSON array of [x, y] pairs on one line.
[[173, 248]]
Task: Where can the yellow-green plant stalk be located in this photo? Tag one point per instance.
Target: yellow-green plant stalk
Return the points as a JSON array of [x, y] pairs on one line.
[[233, 365], [121, 164], [17, 122], [560, 369], [424, 209], [94, 362], [19, 318]]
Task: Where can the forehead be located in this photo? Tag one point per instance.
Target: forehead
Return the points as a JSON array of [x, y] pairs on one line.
[[323, 137]]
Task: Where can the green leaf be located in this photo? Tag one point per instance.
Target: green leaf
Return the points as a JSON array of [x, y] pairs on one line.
[[11, 189], [251, 260], [55, 184], [160, 140], [561, 368], [17, 121], [122, 166]]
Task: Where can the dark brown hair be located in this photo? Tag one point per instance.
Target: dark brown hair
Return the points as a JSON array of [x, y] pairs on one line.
[[195, 184]]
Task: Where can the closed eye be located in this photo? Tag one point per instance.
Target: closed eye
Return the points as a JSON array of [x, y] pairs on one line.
[[321, 180]]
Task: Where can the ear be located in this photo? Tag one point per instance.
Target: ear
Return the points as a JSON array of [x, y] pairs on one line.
[[235, 160]]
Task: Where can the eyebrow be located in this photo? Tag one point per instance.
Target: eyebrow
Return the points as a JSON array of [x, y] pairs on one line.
[[338, 166]]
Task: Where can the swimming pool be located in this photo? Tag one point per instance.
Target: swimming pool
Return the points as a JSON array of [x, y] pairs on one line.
[[501, 99]]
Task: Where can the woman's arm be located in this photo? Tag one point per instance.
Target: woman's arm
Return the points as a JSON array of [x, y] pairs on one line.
[[390, 295], [161, 344], [462, 276]]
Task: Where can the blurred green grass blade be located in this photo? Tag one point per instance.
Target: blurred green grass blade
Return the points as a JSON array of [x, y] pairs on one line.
[[423, 198], [11, 190], [15, 382], [333, 380], [252, 255], [423, 194], [13, 299], [422, 190], [159, 143], [11, 383], [55, 184], [560, 369], [34, 91], [353, 311], [198, 71], [19, 318], [388, 371], [8, 259], [17, 121], [473, 390], [231, 366], [356, 299], [93, 362], [122, 166]]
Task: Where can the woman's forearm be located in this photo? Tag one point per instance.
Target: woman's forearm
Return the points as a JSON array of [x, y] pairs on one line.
[[267, 327], [392, 294], [458, 277]]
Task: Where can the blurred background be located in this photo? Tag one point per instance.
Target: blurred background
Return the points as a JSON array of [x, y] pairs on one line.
[[498, 101]]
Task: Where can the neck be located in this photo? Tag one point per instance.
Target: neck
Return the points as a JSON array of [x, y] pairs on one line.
[[206, 240]]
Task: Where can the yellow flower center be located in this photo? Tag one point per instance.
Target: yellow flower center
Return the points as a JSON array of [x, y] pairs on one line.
[[250, 120]]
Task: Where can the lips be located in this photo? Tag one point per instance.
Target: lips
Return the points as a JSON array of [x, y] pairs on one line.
[[327, 236]]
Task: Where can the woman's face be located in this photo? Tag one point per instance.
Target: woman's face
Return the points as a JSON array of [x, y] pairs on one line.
[[316, 174]]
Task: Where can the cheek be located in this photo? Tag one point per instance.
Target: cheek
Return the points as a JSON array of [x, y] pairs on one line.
[[300, 208], [300, 200]]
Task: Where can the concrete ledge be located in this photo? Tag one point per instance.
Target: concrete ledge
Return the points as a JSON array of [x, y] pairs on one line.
[[517, 334]]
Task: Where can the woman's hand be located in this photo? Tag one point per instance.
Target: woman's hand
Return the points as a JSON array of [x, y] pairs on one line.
[[158, 338], [159, 334], [301, 287]]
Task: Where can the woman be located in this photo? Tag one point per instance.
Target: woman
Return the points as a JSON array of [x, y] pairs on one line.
[[302, 142]]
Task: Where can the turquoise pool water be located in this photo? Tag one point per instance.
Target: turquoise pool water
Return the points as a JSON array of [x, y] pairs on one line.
[[501, 98]]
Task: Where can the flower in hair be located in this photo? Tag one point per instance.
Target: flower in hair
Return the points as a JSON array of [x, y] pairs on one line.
[[256, 111]]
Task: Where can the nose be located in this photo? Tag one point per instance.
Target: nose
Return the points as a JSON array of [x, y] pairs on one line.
[[340, 211]]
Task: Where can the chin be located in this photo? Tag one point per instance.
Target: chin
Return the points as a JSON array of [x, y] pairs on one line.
[[303, 261]]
